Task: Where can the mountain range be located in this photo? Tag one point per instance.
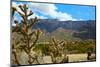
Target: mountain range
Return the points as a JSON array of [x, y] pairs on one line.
[[67, 30]]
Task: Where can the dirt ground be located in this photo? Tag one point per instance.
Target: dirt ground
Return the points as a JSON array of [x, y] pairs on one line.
[[47, 59], [78, 57]]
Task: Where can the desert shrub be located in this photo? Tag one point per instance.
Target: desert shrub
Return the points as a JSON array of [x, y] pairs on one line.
[[44, 48], [81, 46]]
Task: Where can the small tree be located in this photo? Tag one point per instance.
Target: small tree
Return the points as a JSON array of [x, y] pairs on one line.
[[29, 37]]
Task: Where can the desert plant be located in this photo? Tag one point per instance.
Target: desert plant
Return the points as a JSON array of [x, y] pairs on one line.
[[29, 37], [57, 51], [13, 11]]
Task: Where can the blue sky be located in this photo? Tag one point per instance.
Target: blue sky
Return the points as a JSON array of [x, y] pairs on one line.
[[77, 11], [62, 12]]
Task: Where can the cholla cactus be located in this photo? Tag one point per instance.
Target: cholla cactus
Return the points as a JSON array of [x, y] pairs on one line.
[[30, 37], [57, 50], [13, 11]]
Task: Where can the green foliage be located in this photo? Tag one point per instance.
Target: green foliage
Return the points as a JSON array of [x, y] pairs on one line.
[[71, 47], [81, 46], [44, 48]]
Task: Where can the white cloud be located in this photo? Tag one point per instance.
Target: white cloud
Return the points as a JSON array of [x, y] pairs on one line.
[[51, 10], [42, 17], [32, 16], [47, 10], [63, 16], [44, 8], [35, 15]]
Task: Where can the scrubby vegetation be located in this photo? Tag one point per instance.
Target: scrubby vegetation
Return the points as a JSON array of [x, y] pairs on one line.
[[25, 40]]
